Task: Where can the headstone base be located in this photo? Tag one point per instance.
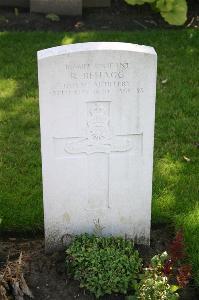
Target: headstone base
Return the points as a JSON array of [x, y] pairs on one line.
[[15, 3], [60, 7], [96, 3]]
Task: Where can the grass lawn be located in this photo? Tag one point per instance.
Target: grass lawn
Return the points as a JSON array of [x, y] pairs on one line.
[[176, 180]]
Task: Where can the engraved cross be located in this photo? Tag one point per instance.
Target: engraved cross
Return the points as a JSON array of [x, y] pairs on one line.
[[99, 143]]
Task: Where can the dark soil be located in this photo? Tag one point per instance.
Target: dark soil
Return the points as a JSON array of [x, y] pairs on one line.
[[45, 274], [119, 16]]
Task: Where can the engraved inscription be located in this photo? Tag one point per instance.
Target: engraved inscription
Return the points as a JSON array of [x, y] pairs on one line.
[[93, 79]]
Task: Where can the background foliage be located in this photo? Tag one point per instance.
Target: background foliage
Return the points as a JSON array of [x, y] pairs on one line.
[[173, 11]]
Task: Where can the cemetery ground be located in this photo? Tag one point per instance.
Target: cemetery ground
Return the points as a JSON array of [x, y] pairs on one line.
[[119, 16], [176, 170]]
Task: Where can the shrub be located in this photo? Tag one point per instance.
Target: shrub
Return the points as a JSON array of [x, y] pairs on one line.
[[103, 265], [173, 11]]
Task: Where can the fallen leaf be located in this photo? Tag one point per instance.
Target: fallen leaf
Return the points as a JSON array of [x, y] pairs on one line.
[[186, 158], [164, 81]]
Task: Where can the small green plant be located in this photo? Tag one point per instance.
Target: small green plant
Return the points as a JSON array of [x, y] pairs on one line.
[[173, 11], [103, 265], [163, 269], [154, 285], [53, 17]]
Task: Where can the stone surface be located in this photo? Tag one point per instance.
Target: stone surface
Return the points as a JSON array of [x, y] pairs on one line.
[[96, 3], [60, 7], [64, 7], [15, 3], [97, 111]]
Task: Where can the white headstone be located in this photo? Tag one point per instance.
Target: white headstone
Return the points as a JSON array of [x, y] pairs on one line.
[[97, 110]]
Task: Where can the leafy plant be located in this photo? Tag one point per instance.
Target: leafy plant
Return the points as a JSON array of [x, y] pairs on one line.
[[163, 269], [177, 247], [53, 17], [173, 11], [173, 267], [154, 285], [139, 2], [103, 265]]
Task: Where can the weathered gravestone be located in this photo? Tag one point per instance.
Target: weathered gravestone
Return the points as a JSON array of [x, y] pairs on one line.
[[61, 7], [97, 108], [96, 3], [15, 3]]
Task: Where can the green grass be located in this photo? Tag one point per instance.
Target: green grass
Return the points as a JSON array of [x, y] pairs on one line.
[[176, 181]]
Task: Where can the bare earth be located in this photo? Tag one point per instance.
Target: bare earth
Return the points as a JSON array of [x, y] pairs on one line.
[[46, 276]]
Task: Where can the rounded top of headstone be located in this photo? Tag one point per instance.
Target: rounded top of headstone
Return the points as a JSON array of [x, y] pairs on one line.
[[94, 46]]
